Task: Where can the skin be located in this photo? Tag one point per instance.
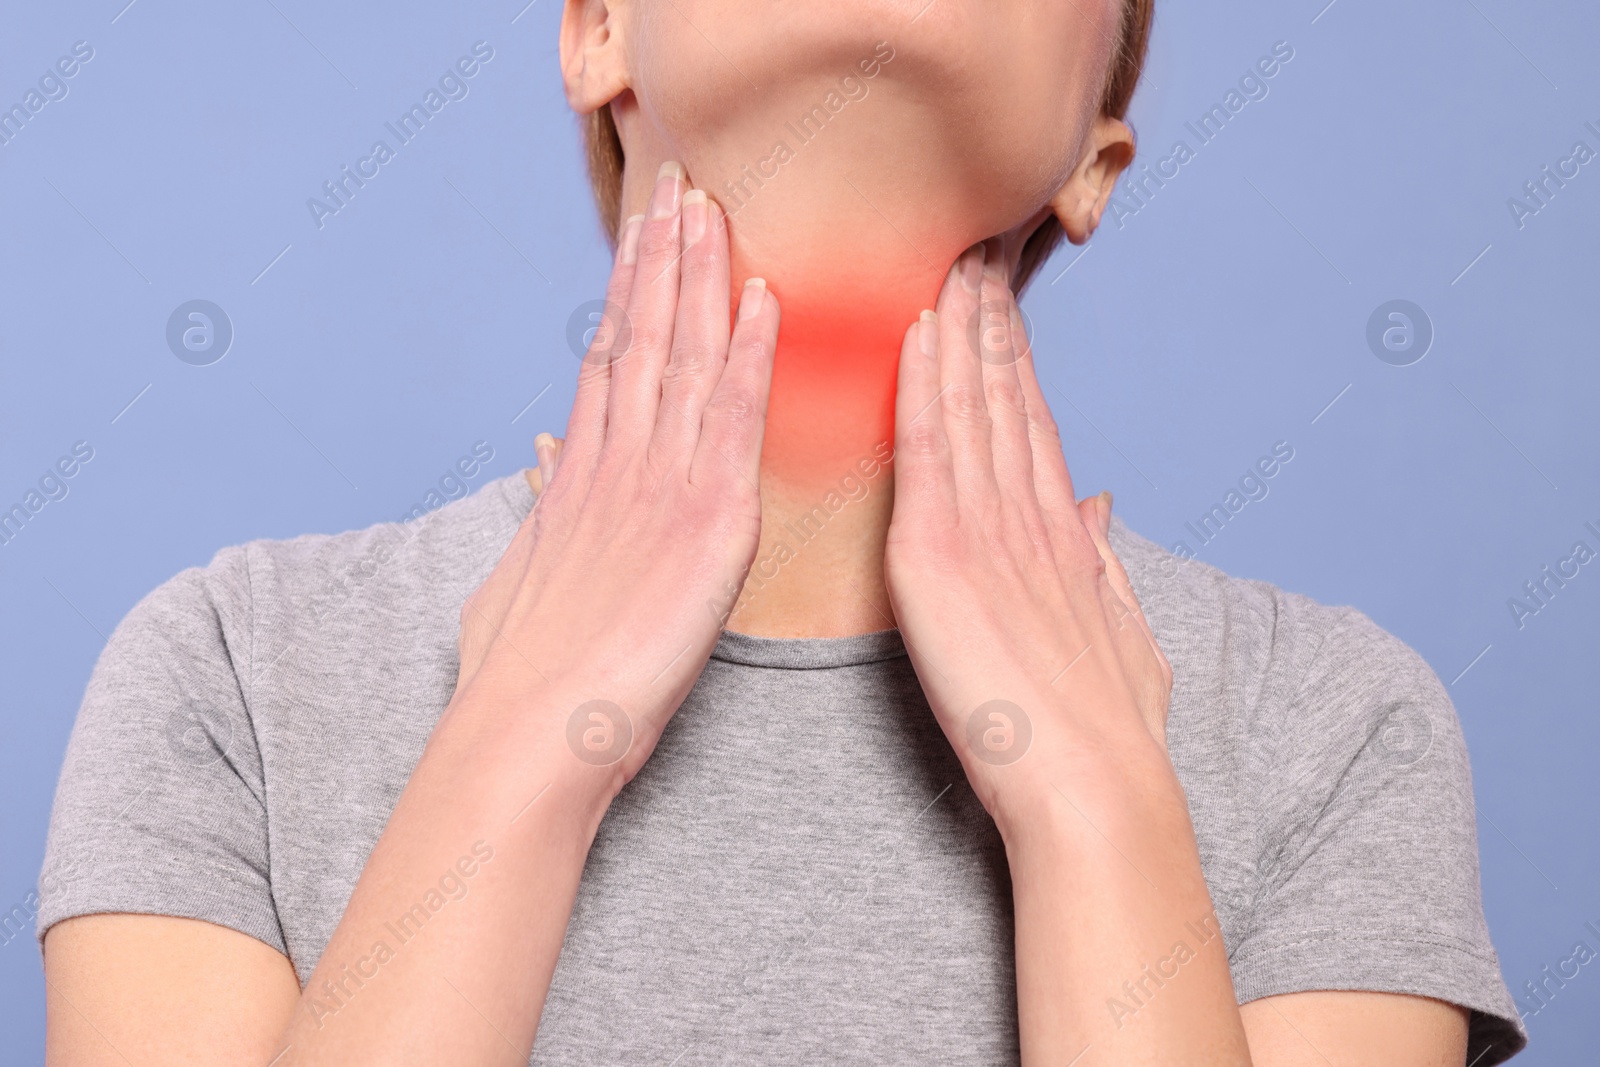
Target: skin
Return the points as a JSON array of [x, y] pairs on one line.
[[699, 445], [703, 82]]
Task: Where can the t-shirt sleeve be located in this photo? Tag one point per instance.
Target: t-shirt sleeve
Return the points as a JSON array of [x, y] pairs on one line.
[[1368, 872], [160, 808]]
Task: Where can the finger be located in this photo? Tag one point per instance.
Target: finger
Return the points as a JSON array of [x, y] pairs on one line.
[[999, 345], [652, 310], [586, 425], [1052, 482], [966, 413], [700, 335], [735, 418], [922, 476], [548, 449], [1096, 514]]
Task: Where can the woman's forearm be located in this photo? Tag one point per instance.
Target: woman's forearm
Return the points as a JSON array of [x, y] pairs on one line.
[[447, 947], [1120, 958]]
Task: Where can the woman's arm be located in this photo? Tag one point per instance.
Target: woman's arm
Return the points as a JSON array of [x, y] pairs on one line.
[[138, 989], [1041, 669], [1054, 701], [1355, 1029], [574, 654]]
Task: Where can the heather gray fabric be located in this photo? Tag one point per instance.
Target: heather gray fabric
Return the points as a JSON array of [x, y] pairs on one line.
[[800, 874]]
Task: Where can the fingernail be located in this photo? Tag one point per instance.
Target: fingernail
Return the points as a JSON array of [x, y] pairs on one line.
[[544, 446], [972, 268], [1104, 512], [750, 301], [694, 216], [630, 240], [668, 191], [928, 334]]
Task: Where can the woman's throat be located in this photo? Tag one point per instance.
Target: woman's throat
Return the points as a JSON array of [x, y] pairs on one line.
[[827, 478], [833, 388], [827, 462], [833, 384]]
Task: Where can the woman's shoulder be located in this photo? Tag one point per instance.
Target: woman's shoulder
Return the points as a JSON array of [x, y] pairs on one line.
[[163, 787], [316, 577], [262, 608], [1330, 789], [1285, 651]]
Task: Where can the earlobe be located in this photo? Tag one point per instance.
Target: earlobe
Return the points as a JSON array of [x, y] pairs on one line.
[[594, 67], [1081, 202]]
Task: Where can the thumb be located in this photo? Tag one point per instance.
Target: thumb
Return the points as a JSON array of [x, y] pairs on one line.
[[548, 449], [1096, 514]]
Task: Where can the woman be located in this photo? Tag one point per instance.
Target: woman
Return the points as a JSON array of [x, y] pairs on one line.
[[807, 717]]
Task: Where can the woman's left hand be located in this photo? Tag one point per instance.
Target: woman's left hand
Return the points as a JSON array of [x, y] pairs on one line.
[[1017, 615]]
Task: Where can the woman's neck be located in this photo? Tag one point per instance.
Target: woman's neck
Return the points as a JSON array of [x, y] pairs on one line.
[[853, 254], [827, 473]]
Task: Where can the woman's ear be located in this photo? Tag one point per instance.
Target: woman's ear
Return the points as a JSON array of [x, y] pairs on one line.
[[594, 56], [1081, 201]]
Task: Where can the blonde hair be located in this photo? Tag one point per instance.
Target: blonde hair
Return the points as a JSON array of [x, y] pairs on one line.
[[604, 146]]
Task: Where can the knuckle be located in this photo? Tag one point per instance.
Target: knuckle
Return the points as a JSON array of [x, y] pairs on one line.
[[647, 337], [1044, 423], [962, 401], [1042, 426], [687, 367], [1037, 530], [593, 374], [732, 406], [748, 349], [1004, 395], [658, 244], [922, 440]]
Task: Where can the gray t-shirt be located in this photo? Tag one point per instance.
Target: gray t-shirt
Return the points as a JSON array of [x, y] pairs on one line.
[[801, 873]]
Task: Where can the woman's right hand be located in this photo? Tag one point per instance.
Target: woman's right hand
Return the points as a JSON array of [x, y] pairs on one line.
[[612, 594]]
